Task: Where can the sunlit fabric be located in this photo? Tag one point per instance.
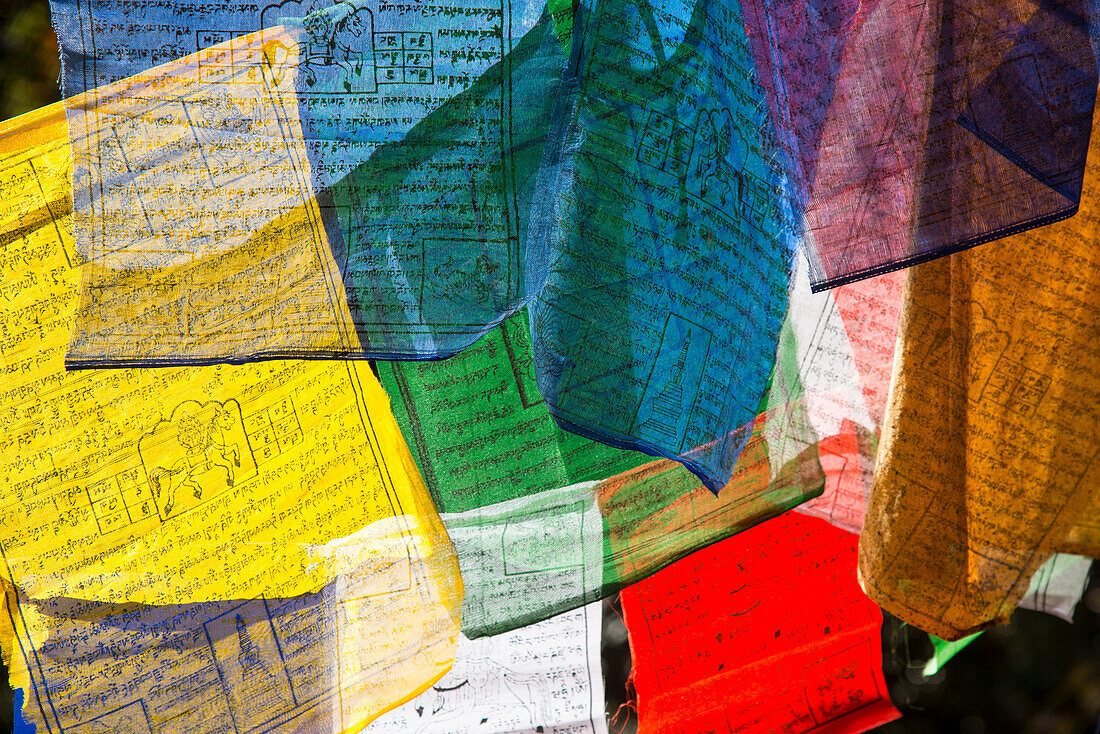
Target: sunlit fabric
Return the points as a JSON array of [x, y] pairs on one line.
[[274, 514], [765, 632], [987, 463], [234, 486], [914, 130], [545, 677], [638, 174], [844, 358], [1058, 586], [544, 520], [667, 248], [325, 662], [184, 484], [943, 651], [1056, 589], [624, 186], [412, 182], [195, 211]]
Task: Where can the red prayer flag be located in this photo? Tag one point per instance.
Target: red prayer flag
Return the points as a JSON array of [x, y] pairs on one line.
[[766, 631]]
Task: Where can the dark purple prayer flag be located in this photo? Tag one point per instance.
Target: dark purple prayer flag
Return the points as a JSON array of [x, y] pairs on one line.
[[915, 130]]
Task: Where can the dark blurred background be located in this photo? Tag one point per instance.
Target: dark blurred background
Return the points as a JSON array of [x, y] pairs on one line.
[[1038, 675], [29, 66]]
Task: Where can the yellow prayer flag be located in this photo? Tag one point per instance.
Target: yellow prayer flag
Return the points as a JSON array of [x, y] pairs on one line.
[[988, 458], [174, 485], [200, 226], [326, 662], [220, 492]]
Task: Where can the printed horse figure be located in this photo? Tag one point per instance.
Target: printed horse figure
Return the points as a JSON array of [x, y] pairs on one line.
[[333, 35], [715, 132], [197, 443], [220, 448]]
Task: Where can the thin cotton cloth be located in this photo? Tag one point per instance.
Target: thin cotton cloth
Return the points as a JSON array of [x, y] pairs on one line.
[[987, 462], [250, 141], [544, 520], [327, 662], [668, 252], [499, 166], [212, 545], [911, 131], [845, 360], [765, 632], [178, 485], [1058, 585], [1056, 589], [544, 677], [638, 176]]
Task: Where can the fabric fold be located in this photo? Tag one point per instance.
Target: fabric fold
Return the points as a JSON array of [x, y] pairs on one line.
[[381, 631], [717, 646], [403, 215], [179, 485], [913, 132], [988, 459]]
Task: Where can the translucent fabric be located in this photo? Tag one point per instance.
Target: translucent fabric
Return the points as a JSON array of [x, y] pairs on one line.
[[544, 520], [913, 131], [392, 183], [325, 662], [765, 632], [943, 651], [544, 676], [845, 362], [988, 457], [1056, 589], [212, 545], [668, 259], [220, 480], [1058, 585]]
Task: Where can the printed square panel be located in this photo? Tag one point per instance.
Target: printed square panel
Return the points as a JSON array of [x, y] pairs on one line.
[[837, 685], [131, 718], [544, 541], [250, 666]]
